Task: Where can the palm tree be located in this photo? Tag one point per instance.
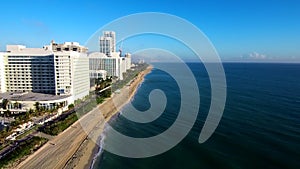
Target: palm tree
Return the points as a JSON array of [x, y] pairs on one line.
[[37, 106], [4, 103], [6, 114], [16, 105]]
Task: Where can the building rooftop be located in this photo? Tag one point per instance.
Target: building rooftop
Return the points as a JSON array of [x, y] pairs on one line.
[[97, 55], [68, 46], [20, 49], [30, 96], [46, 50]]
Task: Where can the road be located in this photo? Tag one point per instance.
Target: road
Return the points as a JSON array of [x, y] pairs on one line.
[[57, 152], [60, 149]]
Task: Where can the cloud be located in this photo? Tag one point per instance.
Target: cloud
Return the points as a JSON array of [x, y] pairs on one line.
[[254, 56]]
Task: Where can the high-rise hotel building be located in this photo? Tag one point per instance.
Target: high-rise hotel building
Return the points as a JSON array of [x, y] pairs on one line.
[[55, 69], [108, 43], [108, 59]]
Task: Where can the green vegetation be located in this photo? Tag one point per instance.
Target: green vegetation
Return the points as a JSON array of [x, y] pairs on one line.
[[20, 119], [128, 76], [27, 132], [5, 133], [61, 125], [100, 100], [85, 109], [4, 103], [71, 106], [23, 149], [101, 84]]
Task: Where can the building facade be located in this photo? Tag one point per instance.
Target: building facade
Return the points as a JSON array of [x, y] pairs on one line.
[[112, 35], [2, 75], [114, 66], [28, 70], [55, 69], [108, 43], [108, 58]]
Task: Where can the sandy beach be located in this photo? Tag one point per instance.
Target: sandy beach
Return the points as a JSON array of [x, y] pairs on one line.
[[76, 146]]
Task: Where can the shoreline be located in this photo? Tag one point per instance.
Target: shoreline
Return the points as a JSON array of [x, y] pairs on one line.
[[75, 147], [87, 153]]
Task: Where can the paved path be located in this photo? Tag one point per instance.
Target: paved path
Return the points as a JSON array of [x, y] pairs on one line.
[[56, 153]]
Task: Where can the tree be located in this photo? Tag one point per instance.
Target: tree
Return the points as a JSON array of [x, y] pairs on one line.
[[37, 106], [16, 105], [6, 114], [30, 111], [4, 103], [27, 116], [71, 106], [61, 104]]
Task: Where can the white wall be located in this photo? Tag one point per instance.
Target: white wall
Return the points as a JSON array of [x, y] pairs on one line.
[[2, 75], [80, 75]]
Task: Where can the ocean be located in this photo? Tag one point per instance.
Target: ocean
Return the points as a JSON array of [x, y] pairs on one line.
[[260, 126]]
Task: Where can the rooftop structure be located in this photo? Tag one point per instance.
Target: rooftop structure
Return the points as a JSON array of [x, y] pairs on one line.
[[67, 46]]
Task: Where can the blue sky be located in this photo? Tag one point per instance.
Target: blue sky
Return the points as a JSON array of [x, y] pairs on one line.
[[248, 29]]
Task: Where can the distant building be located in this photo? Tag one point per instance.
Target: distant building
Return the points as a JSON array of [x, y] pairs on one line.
[[55, 69], [128, 60], [114, 66], [108, 43], [99, 61], [112, 35], [108, 59]]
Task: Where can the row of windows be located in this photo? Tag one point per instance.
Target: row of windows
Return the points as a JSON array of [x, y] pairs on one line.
[[38, 63], [29, 70], [28, 88], [24, 74], [30, 65], [61, 56], [49, 56], [28, 82]]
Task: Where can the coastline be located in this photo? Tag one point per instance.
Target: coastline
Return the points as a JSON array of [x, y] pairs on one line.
[[87, 152], [76, 147]]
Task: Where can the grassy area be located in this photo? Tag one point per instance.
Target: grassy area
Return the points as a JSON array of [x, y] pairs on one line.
[[128, 76], [86, 108], [27, 132], [4, 133], [56, 127], [25, 148], [59, 126]]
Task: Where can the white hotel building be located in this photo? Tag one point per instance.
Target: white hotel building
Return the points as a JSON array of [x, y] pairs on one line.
[[56, 73], [108, 43], [108, 59]]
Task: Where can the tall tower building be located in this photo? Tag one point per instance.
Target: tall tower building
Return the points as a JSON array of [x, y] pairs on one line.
[[112, 35], [108, 43]]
